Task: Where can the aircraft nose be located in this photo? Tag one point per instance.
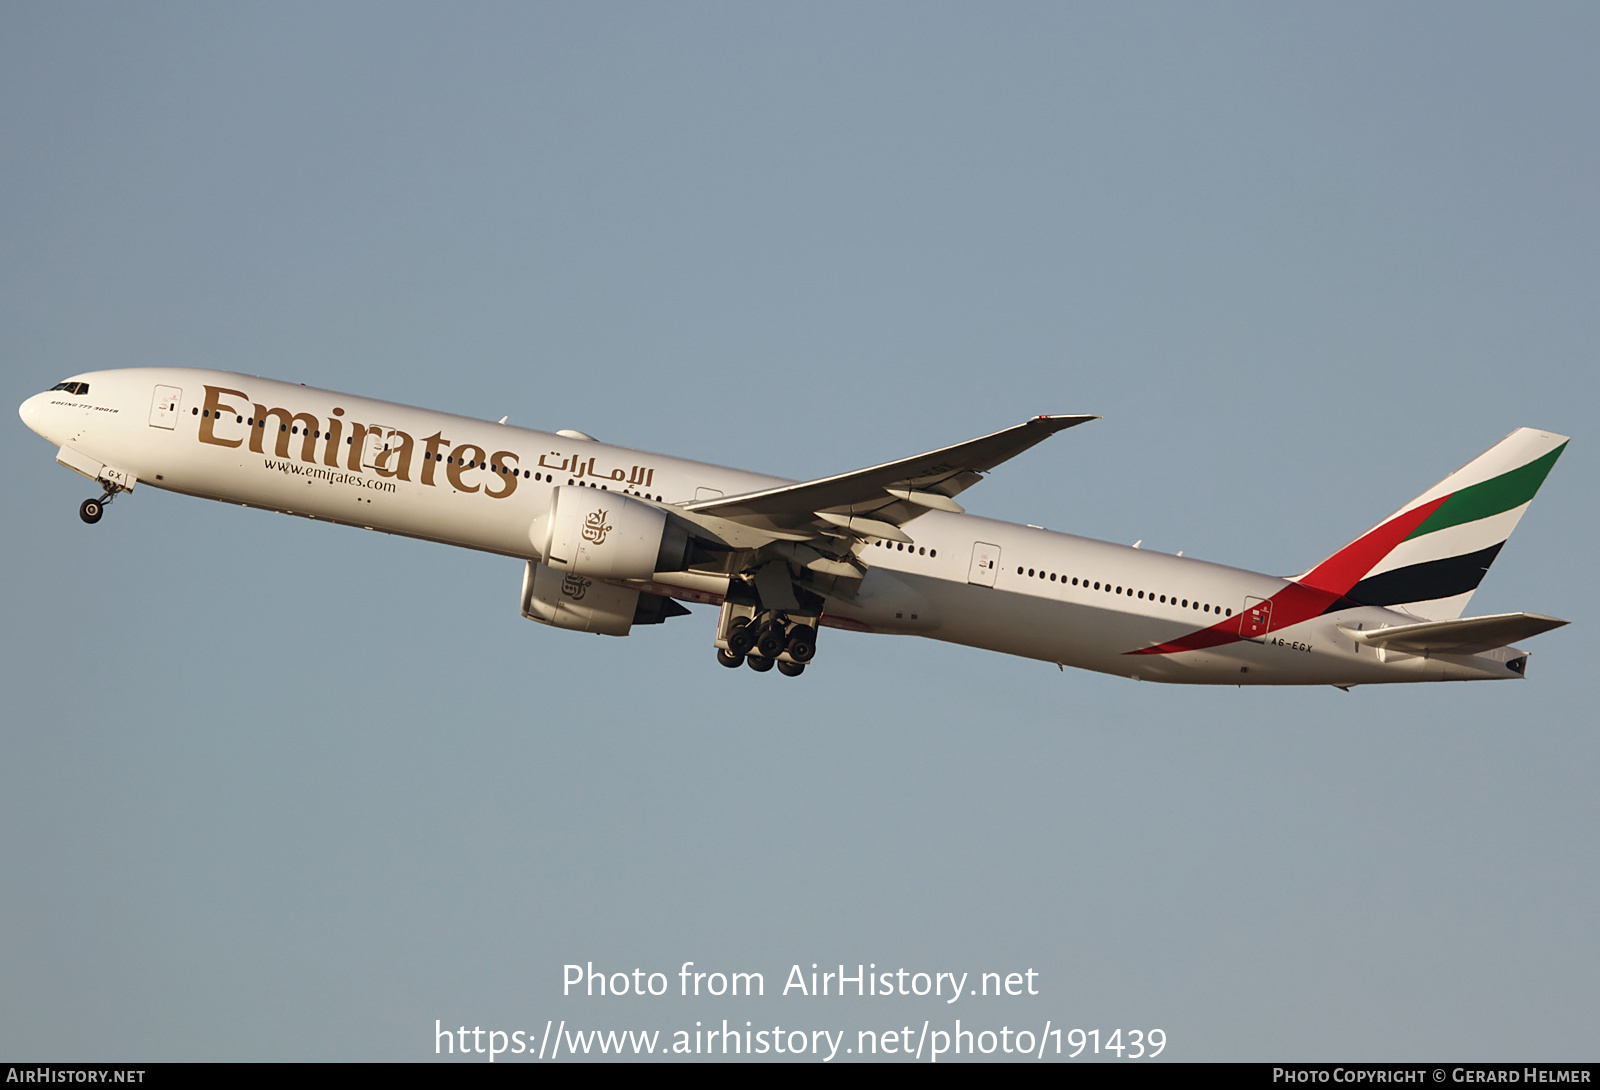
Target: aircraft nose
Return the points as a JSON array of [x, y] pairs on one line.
[[32, 412]]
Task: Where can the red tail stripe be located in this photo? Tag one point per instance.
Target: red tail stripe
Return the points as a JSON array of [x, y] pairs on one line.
[[1321, 587], [1291, 605], [1344, 569]]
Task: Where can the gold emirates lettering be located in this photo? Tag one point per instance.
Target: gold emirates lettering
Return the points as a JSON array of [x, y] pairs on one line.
[[393, 461]]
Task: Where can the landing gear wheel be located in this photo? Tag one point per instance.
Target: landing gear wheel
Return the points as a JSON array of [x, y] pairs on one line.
[[771, 640], [90, 511], [791, 669], [758, 664], [729, 659], [802, 643], [741, 638]]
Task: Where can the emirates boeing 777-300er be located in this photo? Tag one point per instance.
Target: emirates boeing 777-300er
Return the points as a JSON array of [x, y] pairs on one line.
[[613, 537]]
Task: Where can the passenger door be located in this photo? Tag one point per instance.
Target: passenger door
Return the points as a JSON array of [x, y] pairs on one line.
[[164, 407], [1255, 619], [985, 564]]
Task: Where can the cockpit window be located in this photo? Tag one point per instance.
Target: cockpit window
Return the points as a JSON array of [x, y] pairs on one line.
[[71, 387]]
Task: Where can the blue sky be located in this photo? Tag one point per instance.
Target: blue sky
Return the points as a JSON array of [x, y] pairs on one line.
[[278, 790]]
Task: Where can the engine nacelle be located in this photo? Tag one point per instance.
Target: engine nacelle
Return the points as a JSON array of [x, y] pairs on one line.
[[568, 600], [607, 535]]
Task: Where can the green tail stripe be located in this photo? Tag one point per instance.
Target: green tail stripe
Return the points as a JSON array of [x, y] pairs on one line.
[[1511, 489]]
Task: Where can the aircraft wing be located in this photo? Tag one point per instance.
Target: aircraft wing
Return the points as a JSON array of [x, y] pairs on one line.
[[874, 502], [1465, 636]]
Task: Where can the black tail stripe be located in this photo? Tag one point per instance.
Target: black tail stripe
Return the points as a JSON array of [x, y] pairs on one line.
[[1424, 582]]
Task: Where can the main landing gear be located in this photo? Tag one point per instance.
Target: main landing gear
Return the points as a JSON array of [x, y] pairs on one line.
[[762, 644]]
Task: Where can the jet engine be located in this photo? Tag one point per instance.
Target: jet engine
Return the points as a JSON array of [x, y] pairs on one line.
[[606, 535], [568, 600]]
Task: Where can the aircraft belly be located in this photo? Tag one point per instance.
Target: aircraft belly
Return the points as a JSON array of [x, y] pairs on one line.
[[1050, 630]]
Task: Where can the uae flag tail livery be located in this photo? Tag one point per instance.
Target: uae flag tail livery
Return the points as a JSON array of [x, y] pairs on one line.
[[1428, 557], [1423, 562]]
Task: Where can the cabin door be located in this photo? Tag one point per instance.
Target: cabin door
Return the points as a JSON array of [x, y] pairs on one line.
[[375, 446], [985, 564], [1255, 619], [164, 407]]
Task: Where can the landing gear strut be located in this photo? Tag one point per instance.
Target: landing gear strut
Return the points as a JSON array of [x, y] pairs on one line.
[[763, 638], [91, 511]]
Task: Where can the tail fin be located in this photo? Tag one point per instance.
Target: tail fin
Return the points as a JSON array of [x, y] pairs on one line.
[[1429, 556]]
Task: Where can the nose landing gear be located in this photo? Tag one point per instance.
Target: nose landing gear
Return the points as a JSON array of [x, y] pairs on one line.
[[91, 511]]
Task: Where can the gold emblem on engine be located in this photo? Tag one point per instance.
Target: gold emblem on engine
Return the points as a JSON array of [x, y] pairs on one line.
[[595, 528], [575, 587]]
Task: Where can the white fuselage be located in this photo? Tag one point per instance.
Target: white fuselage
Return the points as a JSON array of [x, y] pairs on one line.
[[481, 485]]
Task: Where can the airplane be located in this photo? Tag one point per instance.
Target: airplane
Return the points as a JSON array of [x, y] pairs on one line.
[[611, 537]]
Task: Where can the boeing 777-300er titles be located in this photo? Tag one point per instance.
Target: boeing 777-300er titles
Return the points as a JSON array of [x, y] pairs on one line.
[[613, 537]]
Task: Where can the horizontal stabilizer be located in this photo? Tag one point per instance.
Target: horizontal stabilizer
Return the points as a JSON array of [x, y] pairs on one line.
[[1465, 636]]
